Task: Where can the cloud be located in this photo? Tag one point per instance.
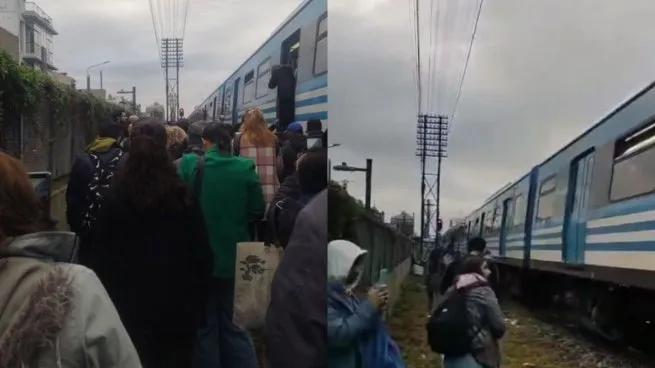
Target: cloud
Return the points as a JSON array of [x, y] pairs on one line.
[[539, 75], [219, 36]]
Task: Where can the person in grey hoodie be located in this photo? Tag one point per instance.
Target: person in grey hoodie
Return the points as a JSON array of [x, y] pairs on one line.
[[53, 313], [484, 314]]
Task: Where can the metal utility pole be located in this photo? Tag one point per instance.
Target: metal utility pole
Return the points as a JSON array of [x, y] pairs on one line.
[[431, 140], [133, 93], [172, 58]]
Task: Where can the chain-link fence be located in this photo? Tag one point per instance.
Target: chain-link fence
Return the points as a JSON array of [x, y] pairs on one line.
[[44, 143]]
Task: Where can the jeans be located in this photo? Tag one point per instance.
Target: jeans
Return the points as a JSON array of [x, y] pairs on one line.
[[221, 343]]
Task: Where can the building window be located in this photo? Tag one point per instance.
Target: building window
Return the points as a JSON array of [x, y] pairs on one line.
[[320, 51], [633, 173], [248, 87], [520, 208], [263, 76]]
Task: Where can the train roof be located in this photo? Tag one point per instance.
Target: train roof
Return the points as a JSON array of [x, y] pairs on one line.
[[616, 110]]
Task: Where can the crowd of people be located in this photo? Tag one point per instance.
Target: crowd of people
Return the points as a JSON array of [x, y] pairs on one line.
[[146, 276]]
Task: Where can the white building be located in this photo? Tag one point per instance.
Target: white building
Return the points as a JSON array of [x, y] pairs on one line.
[[38, 34], [27, 33]]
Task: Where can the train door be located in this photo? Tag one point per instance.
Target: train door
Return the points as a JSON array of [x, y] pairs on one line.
[[504, 224], [235, 101], [575, 226], [481, 228]]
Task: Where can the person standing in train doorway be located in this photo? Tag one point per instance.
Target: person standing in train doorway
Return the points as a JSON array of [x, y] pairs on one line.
[[284, 79]]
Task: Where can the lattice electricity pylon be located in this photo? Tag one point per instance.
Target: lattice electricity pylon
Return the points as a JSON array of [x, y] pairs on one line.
[[431, 142], [172, 59]]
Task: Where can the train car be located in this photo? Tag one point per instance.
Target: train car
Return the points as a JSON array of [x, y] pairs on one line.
[[301, 40], [582, 223]]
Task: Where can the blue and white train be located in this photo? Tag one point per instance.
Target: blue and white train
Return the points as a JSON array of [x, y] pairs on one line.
[[301, 37], [583, 221]]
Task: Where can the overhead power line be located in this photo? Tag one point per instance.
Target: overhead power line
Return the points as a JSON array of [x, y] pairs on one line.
[[466, 64]]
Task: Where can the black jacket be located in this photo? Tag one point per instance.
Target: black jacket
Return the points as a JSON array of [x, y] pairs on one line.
[[78, 182], [285, 82], [155, 265]]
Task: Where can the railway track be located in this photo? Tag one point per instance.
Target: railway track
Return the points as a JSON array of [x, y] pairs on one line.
[[595, 346]]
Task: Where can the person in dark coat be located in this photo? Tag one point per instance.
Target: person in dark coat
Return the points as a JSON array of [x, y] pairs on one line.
[[295, 334], [432, 275], [309, 180], [153, 253], [106, 147], [295, 144], [283, 78]]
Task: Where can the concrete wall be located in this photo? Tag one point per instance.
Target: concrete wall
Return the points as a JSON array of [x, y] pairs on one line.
[[9, 43]]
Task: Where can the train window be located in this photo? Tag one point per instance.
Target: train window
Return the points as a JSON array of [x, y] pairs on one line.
[[520, 208], [228, 100], [633, 173], [249, 87], [320, 50], [263, 75], [489, 221], [498, 217], [547, 196], [548, 185]]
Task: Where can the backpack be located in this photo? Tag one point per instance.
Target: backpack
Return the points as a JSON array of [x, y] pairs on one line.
[[99, 186], [285, 212], [450, 331]]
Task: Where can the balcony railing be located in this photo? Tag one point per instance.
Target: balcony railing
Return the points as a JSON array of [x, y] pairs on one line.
[[35, 51], [32, 7]]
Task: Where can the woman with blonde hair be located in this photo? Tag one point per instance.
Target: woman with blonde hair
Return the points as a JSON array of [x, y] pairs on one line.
[[258, 143], [176, 141]]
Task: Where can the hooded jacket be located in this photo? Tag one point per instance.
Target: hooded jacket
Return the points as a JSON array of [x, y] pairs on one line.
[[54, 314], [80, 176], [484, 311], [349, 319]]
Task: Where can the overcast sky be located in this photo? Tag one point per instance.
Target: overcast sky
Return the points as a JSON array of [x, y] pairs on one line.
[[541, 72], [220, 35]]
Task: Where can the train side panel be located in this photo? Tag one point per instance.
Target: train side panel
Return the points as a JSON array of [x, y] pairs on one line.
[[595, 197], [501, 210]]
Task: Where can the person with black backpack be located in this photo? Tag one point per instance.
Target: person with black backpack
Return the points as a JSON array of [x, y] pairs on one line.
[[89, 181], [466, 326], [296, 191], [451, 260]]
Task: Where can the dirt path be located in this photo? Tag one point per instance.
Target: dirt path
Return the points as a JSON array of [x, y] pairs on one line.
[[529, 343]]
